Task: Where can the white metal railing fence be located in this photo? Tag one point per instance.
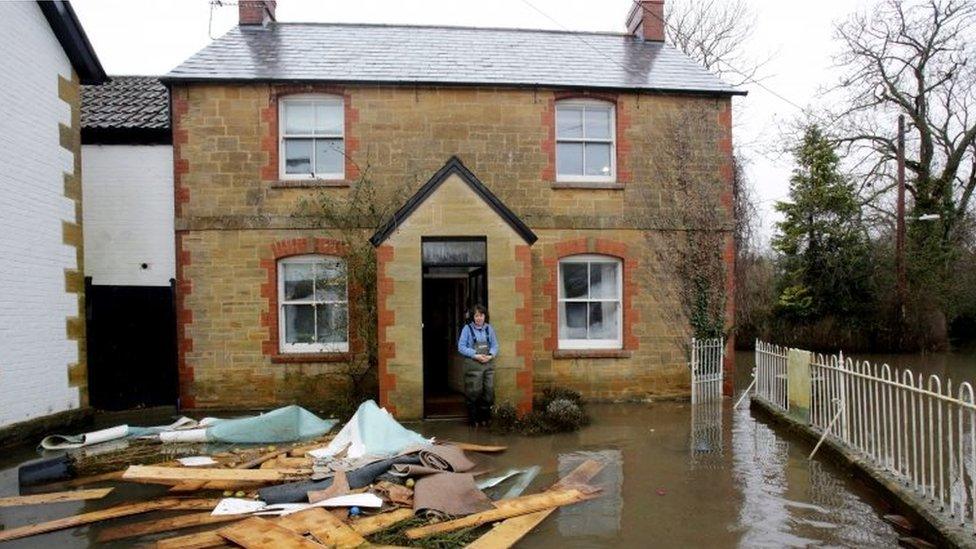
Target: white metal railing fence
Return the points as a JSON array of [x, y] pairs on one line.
[[771, 374], [706, 369], [916, 427]]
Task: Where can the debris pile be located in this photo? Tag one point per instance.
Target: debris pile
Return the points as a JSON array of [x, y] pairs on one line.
[[372, 483]]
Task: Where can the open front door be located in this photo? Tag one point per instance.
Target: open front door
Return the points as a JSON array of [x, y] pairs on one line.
[[455, 278], [477, 288]]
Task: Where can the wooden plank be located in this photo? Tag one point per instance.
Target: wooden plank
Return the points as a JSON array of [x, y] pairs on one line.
[[294, 462], [86, 518], [263, 458], [259, 533], [161, 525], [193, 486], [508, 532], [511, 508], [580, 475], [325, 526], [300, 451], [196, 486], [200, 540], [195, 504], [83, 481], [150, 473], [371, 525], [477, 447], [55, 497]]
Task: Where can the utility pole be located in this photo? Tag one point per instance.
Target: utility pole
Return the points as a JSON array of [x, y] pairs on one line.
[[901, 277]]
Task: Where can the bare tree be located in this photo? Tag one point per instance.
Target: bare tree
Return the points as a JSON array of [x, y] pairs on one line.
[[912, 58], [715, 33], [915, 58]]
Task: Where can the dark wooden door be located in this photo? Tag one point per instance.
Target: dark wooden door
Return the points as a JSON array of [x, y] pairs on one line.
[[131, 346]]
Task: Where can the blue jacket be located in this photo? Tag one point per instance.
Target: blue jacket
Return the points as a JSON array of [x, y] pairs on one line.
[[470, 334]]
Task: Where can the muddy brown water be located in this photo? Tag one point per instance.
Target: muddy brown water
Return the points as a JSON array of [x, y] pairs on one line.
[[675, 476]]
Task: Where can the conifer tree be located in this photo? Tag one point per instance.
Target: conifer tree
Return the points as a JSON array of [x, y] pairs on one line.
[[821, 239]]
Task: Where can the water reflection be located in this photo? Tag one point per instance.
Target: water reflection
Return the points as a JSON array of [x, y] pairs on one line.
[[598, 517], [706, 434]]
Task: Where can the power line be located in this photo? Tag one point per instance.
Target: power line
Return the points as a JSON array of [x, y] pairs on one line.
[[730, 67], [578, 37]]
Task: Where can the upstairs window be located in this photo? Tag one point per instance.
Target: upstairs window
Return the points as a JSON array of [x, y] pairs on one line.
[[590, 312], [313, 314], [311, 130], [585, 147]]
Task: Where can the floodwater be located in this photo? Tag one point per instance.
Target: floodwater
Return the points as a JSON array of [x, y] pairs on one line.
[[958, 367], [675, 476]]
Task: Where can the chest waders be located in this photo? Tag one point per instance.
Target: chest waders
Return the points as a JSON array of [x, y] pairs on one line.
[[479, 383]]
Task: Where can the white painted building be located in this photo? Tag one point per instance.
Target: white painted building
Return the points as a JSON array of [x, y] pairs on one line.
[[45, 57], [127, 159]]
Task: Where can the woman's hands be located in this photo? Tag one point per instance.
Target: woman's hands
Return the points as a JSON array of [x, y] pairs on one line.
[[484, 359]]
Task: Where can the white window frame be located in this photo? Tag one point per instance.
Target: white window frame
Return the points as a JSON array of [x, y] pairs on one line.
[[612, 140], [310, 98], [609, 344], [283, 345]]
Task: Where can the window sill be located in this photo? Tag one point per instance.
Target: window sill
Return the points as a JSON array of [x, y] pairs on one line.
[[608, 185], [309, 183], [592, 353], [304, 358]]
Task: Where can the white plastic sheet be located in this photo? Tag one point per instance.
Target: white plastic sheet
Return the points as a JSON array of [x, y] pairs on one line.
[[186, 435], [371, 431], [70, 442], [238, 506], [196, 461]]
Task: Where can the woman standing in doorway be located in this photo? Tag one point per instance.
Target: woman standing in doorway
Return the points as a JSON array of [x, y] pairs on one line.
[[479, 346]]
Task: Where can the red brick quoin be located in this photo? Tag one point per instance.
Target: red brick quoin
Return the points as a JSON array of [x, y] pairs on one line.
[[184, 287], [181, 166], [599, 246], [269, 290], [269, 118], [729, 253], [523, 318], [622, 124], [385, 318], [184, 317]]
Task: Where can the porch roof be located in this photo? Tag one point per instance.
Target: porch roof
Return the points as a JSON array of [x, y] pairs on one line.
[[453, 166]]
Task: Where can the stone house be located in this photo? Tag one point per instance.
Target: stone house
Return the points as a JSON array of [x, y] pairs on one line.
[[530, 160], [46, 58]]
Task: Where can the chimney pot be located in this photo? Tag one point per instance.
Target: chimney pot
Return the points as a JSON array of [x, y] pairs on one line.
[[256, 12], [646, 20]]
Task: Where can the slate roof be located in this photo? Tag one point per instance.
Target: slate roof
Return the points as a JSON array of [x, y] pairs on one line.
[[126, 102], [446, 55]]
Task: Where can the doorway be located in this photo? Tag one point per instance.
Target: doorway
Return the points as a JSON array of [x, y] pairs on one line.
[[455, 278], [131, 333]]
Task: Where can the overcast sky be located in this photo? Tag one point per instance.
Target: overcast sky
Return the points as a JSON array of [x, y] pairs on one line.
[[153, 36]]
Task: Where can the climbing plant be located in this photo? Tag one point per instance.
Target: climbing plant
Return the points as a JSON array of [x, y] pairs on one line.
[[354, 214]]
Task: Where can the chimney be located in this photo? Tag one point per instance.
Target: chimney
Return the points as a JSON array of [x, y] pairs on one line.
[[256, 12], [646, 20]]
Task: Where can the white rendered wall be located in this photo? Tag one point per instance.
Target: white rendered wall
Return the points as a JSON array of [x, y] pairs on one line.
[[34, 349], [128, 198]]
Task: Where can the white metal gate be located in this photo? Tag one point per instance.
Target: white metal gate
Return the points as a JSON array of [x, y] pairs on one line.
[[706, 369]]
